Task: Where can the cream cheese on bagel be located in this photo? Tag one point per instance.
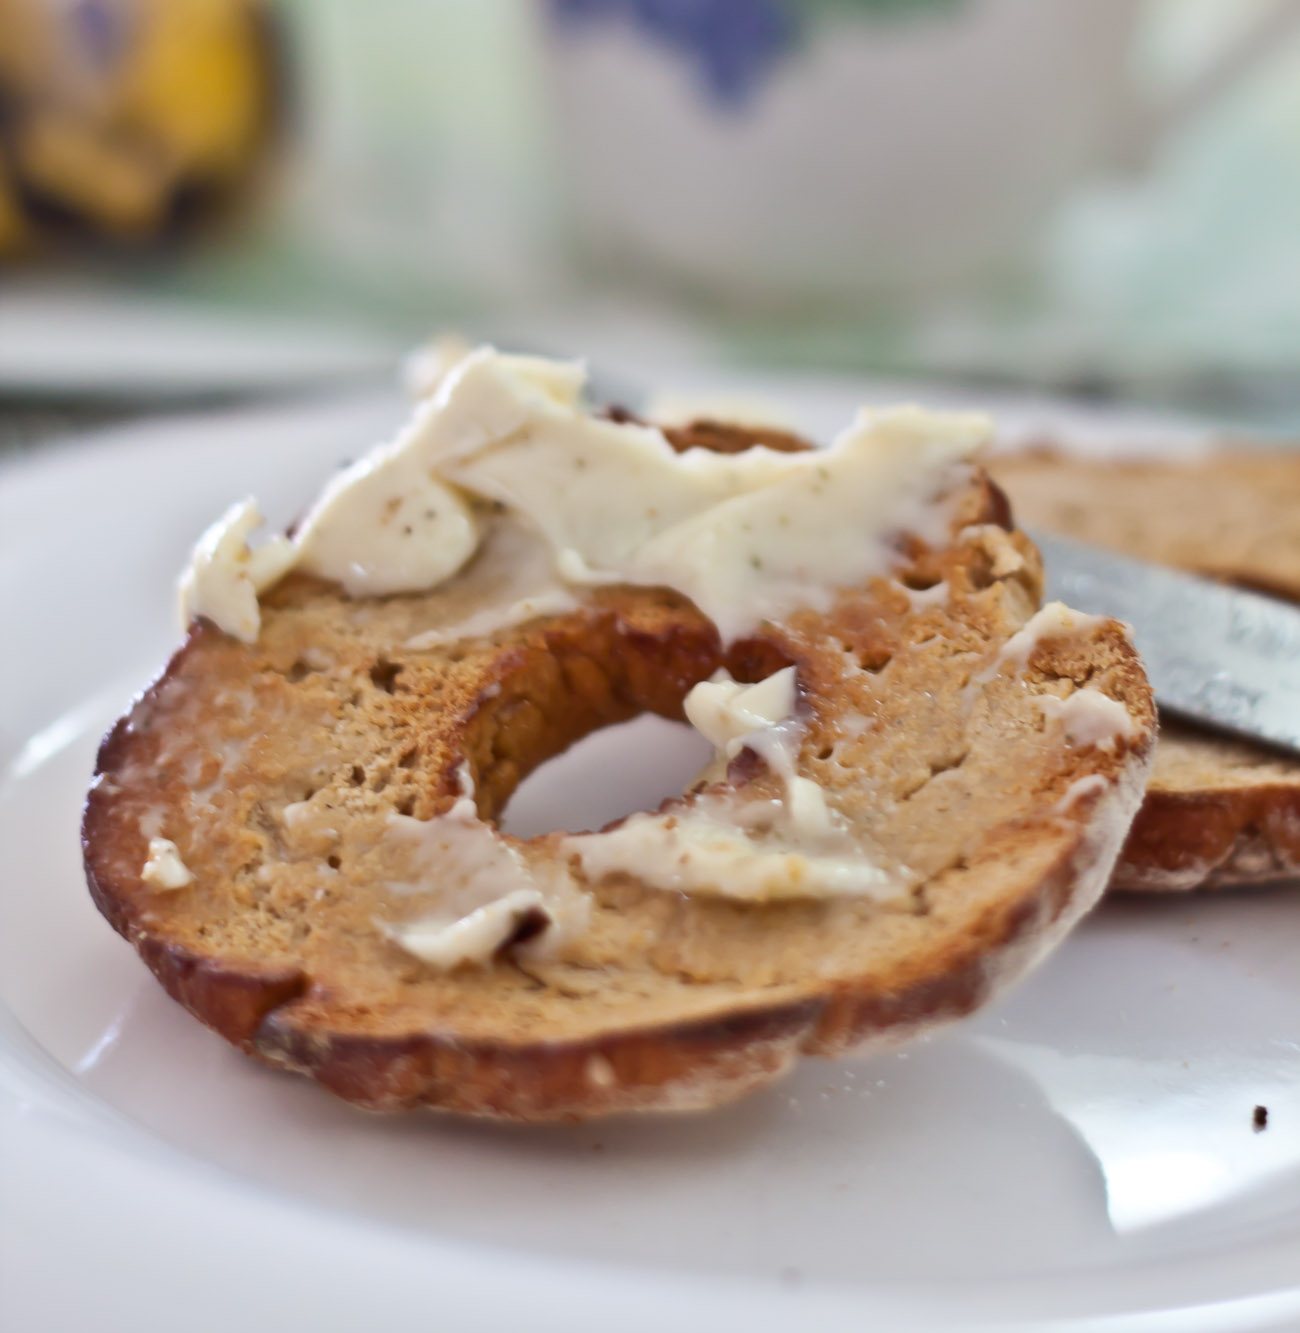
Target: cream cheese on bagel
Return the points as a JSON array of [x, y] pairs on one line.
[[504, 479], [748, 537]]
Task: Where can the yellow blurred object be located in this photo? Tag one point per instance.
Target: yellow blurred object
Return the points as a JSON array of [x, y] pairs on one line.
[[62, 158], [197, 83], [13, 228], [123, 115]]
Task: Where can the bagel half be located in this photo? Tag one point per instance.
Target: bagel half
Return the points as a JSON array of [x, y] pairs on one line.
[[1219, 812], [929, 735]]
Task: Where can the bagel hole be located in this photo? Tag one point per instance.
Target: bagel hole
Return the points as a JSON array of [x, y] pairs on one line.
[[613, 772]]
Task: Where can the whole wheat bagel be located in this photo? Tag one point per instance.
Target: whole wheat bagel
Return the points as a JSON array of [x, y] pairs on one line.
[[1219, 812], [942, 747]]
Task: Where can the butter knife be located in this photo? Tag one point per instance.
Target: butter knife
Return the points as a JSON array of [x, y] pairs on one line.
[[1214, 654]]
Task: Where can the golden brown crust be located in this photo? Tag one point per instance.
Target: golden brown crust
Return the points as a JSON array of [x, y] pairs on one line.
[[1218, 812], [667, 1002], [681, 1066], [719, 437], [724, 438]]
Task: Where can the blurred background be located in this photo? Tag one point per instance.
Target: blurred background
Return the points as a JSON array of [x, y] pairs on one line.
[[203, 200]]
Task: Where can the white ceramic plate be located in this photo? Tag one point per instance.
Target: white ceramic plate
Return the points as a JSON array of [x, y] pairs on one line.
[[72, 340], [1080, 1158]]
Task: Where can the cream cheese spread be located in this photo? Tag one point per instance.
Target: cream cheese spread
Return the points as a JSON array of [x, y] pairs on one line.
[[752, 853], [472, 938], [748, 536], [495, 616], [1077, 790], [795, 846], [1089, 717], [164, 869], [724, 712], [1054, 620], [425, 368], [225, 575], [488, 887]]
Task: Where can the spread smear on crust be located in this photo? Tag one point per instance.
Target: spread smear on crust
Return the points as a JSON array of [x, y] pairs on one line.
[[748, 537]]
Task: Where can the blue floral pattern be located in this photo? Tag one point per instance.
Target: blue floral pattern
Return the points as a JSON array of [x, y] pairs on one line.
[[731, 45]]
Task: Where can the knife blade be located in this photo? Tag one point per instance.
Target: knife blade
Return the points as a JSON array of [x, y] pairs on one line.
[[1214, 654]]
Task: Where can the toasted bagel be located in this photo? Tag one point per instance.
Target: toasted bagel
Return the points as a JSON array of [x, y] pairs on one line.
[[1219, 813], [929, 735]]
